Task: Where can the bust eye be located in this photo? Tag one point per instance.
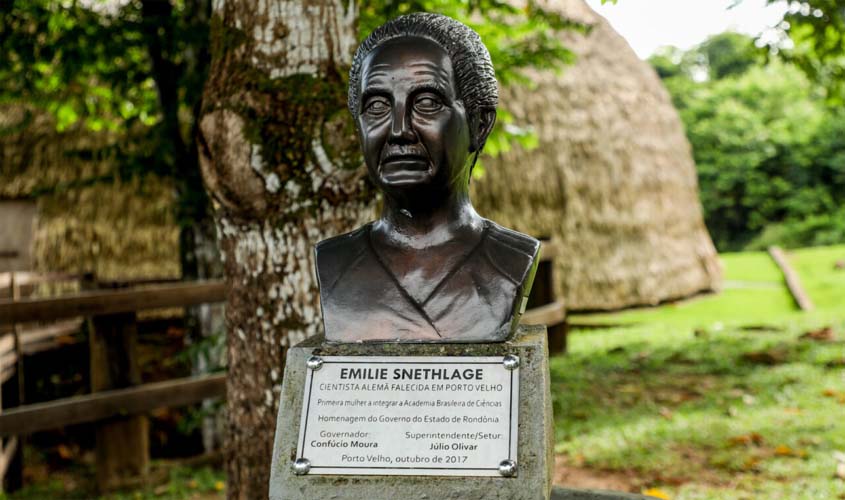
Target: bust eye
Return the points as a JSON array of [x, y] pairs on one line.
[[427, 104], [376, 107]]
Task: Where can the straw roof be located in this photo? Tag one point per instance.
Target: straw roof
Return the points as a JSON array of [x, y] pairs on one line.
[[121, 229], [613, 179]]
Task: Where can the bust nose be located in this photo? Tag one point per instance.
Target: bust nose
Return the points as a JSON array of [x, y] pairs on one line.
[[401, 129]]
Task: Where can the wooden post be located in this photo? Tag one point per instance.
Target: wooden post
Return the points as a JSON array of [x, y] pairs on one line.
[[543, 294], [123, 454], [11, 451], [793, 282], [8, 457], [557, 337], [16, 330], [3, 442]]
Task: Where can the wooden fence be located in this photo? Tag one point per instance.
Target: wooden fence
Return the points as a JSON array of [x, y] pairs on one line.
[[118, 400]]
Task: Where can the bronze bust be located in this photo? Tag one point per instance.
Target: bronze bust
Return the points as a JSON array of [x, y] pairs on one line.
[[423, 94]]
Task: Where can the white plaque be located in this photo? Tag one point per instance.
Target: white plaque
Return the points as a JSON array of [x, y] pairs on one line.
[[430, 416]]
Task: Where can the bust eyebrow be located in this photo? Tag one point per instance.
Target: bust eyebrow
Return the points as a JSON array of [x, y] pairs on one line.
[[432, 87], [375, 89]]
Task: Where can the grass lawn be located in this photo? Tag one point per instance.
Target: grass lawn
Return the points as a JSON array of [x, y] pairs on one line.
[[714, 398]]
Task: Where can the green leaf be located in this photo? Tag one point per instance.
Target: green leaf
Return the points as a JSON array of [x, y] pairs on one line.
[[65, 117]]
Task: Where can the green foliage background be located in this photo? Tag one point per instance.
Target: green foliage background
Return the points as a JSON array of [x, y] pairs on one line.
[[767, 140], [815, 32], [136, 70]]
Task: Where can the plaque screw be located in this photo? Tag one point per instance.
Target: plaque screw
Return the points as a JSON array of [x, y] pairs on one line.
[[507, 468], [314, 363], [511, 362], [303, 465]]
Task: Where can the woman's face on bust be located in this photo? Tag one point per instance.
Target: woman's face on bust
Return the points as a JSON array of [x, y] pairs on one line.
[[413, 127]]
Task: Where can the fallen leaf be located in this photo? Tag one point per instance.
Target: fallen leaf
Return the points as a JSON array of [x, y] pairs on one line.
[[831, 393], [773, 356], [750, 463], [666, 413], [793, 411], [657, 493], [761, 328], [641, 356], [680, 358], [192, 484], [811, 441], [747, 439], [821, 335], [219, 485], [630, 389], [840, 264], [840, 470], [785, 451]]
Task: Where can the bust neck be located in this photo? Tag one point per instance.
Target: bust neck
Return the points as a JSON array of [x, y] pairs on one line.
[[405, 225]]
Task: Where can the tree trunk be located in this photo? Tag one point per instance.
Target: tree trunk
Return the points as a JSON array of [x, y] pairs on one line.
[[280, 160], [198, 255]]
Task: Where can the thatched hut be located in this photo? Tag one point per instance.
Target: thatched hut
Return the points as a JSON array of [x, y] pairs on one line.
[[88, 219], [613, 179]]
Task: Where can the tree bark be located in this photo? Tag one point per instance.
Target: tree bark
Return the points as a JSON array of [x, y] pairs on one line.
[[280, 160]]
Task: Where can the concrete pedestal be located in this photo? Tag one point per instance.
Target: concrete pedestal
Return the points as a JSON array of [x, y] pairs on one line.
[[535, 434]]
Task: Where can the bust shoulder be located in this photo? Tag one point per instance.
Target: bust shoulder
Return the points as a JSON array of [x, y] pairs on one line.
[[514, 254], [337, 254]]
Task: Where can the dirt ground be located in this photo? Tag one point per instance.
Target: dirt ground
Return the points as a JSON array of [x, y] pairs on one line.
[[572, 476]]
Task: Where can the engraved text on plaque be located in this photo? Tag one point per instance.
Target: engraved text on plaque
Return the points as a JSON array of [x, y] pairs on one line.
[[444, 416]]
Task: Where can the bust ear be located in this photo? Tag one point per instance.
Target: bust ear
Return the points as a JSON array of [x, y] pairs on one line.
[[480, 130]]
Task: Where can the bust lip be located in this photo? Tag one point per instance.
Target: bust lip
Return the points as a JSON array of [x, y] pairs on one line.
[[395, 152], [404, 165], [409, 158], [405, 161], [402, 173]]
